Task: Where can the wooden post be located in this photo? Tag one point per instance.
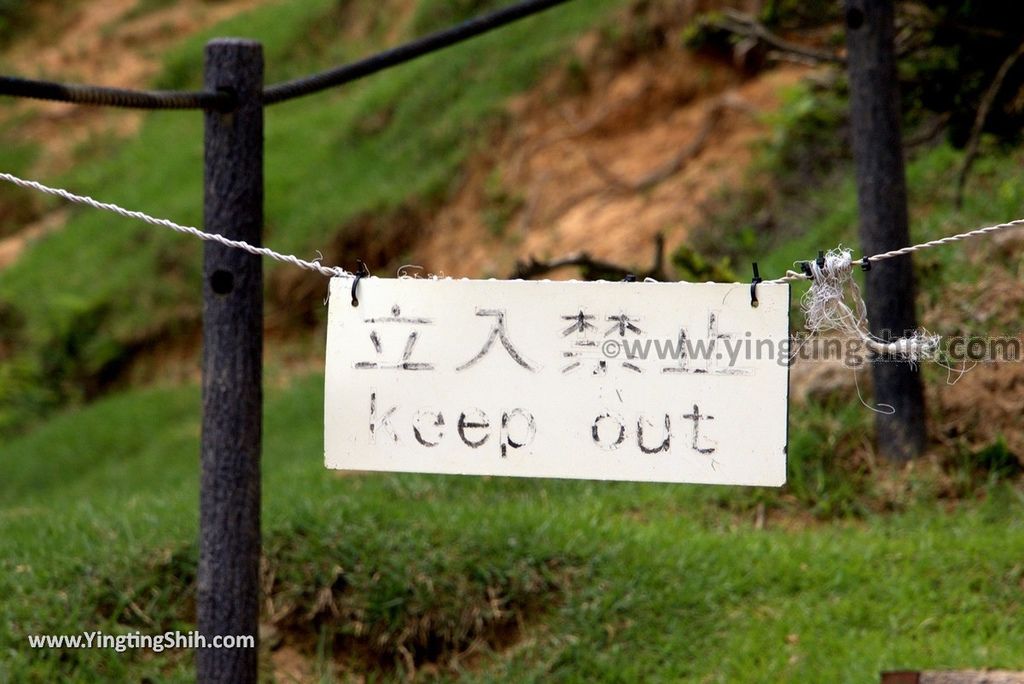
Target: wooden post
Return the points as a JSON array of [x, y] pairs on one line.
[[953, 677], [229, 497], [882, 200]]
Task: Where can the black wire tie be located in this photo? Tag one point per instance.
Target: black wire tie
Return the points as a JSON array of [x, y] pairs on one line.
[[753, 286], [361, 273]]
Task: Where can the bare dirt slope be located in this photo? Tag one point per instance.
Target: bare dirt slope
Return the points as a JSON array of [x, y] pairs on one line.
[[640, 153]]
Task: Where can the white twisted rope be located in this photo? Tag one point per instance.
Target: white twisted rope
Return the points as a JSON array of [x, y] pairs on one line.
[[337, 272], [330, 272], [947, 240], [792, 276]]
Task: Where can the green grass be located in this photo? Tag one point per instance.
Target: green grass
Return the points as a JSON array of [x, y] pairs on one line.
[[614, 581]]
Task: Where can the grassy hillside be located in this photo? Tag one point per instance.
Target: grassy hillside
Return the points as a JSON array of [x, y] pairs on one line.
[[395, 140]]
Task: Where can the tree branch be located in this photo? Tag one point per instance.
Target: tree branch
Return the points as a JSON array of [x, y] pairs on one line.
[[745, 25], [928, 133], [981, 119], [593, 269]]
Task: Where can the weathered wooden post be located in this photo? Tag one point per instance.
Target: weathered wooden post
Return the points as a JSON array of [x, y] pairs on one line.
[[882, 199], [229, 498]]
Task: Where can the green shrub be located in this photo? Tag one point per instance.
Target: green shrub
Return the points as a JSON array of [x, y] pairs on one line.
[[14, 15], [954, 60]]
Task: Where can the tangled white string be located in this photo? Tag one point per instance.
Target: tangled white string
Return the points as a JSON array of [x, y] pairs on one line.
[[330, 272], [834, 303]]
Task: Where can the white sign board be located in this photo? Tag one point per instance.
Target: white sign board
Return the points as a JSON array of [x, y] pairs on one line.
[[670, 382]]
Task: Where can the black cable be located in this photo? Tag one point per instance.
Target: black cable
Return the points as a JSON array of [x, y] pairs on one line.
[[347, 73], [112, 97], [280, 92]]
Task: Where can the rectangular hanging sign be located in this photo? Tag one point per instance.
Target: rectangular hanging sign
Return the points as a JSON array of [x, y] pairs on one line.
[[661, 382]]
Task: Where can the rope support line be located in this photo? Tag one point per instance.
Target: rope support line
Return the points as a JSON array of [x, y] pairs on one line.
[[329, 271], [793, 276], [280, 92], [432, 42], [839, 261], [1018, 223], [113, 97]]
